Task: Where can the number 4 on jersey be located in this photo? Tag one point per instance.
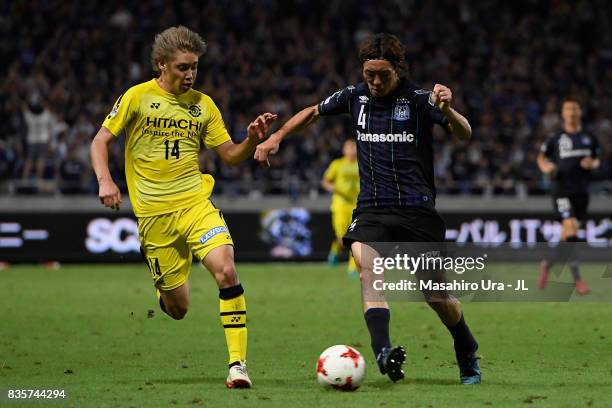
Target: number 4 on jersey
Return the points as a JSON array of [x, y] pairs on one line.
[[361, 119], [175, 149]]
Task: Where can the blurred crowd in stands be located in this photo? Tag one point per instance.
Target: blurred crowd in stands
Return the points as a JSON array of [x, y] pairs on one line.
[[509, 65]]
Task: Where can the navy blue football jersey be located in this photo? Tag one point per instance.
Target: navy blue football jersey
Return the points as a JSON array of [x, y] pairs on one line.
[[394, 142], [566, 150]]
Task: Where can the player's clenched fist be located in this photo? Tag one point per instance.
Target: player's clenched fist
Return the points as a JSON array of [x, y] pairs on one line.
[[264, 150], [442, 96], [109, 195]]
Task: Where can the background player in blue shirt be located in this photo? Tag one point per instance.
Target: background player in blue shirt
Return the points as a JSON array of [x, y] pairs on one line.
[[569, 157], [393, 121]]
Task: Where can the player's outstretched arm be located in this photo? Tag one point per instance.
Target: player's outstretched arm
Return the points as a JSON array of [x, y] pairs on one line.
[[442, 97], [545, 165], [298, 122], [234, 154], [108, 192]]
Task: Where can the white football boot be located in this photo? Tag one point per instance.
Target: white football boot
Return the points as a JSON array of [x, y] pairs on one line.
[[238, 377]]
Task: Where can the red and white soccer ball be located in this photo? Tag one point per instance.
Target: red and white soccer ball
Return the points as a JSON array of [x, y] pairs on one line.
[[341, 367]]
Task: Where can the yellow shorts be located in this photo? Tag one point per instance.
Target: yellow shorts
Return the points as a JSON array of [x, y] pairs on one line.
[[341, 219], [169, 240]]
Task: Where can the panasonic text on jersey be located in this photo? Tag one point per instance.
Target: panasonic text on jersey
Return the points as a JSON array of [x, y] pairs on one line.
[[385, 137]]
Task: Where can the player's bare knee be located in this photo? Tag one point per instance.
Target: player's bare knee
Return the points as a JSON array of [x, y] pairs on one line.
[[437, 299], [226, 276], [176, 306]]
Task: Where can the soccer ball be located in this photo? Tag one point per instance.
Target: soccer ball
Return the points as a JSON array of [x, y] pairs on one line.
[[341, 367]]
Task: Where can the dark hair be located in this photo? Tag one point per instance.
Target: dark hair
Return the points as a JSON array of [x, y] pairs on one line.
[[571, 99], [385, 46]]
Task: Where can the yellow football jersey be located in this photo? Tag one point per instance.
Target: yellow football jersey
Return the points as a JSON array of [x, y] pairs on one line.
[[345, 175], [163, 138]]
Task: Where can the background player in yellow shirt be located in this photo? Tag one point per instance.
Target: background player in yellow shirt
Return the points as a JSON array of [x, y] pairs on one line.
[[342, 180], [165, 122]]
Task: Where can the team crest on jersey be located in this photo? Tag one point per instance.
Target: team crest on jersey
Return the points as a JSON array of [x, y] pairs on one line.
[[195, 111], [401, 111], [363, 99], [586, 140]]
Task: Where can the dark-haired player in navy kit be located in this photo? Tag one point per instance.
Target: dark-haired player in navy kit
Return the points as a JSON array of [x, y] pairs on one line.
[[569, 157], [393, 121]]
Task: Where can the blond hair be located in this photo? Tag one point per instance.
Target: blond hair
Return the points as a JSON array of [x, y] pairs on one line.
[[174, 39]]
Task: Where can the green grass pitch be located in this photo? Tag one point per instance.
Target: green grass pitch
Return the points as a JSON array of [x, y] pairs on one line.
[[86, 329]]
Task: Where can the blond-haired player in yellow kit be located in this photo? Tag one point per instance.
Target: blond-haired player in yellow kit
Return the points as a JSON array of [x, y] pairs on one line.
[[342, 180], [165, 121]]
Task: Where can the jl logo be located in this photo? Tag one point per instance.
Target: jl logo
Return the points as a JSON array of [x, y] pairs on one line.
[[401, 112]]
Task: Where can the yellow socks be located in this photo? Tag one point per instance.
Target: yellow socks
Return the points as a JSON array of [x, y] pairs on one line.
[[232, 309]]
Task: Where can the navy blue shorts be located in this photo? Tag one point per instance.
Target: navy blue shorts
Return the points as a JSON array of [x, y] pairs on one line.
[[571, 206], [408, 224]]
